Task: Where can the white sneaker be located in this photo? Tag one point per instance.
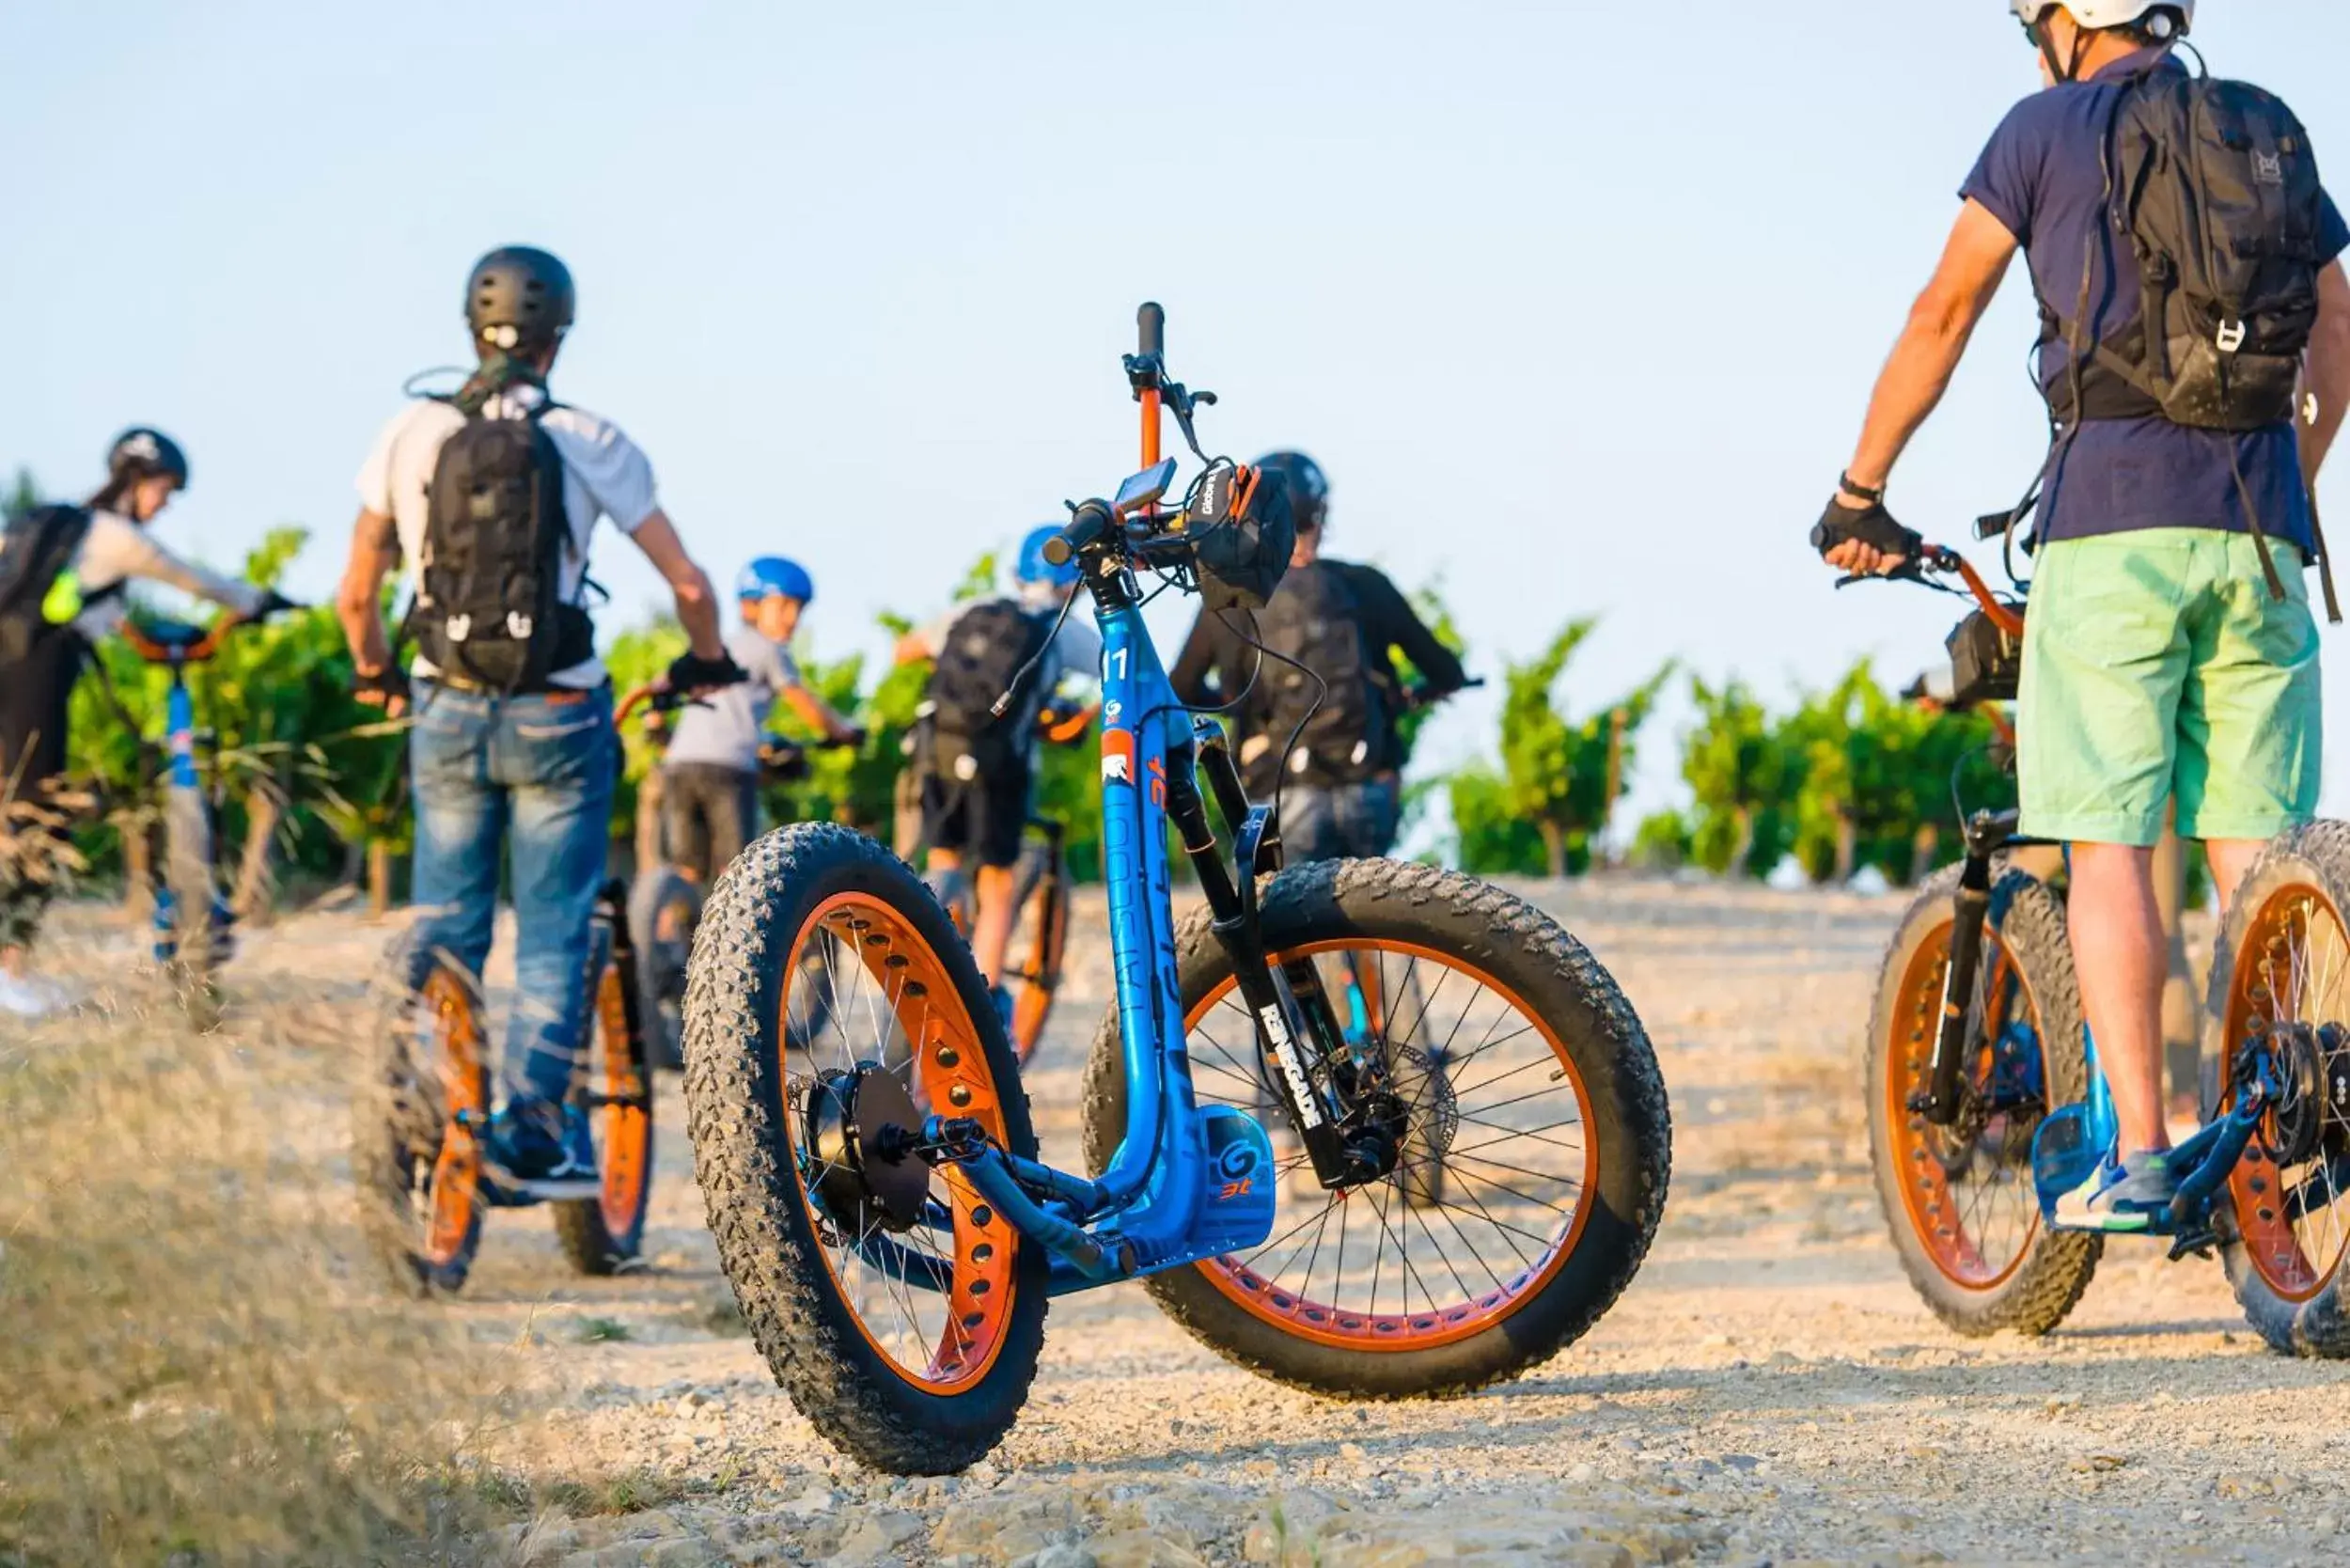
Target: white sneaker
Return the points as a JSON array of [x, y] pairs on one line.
[[25, 999]]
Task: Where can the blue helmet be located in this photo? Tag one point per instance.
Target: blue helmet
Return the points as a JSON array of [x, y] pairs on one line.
[[1034, 567], [774, 574]]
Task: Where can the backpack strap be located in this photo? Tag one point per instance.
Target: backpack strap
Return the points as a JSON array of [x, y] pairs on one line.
[[2253, 523], [2325, 561]]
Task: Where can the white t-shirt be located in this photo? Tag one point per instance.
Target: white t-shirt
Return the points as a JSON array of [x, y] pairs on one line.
[[604, 475], [726, 728], [116, 552]]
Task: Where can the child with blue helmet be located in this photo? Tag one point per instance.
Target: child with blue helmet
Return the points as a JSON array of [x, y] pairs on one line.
[[710, 775]]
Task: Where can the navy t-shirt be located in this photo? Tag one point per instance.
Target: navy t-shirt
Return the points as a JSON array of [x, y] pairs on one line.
[[2043, 179]]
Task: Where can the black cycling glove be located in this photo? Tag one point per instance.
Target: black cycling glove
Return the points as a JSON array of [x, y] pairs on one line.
[[381, 689], [1872, 525], [691, 673]]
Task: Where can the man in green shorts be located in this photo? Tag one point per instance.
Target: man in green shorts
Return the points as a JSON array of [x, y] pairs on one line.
[[2170, 650]]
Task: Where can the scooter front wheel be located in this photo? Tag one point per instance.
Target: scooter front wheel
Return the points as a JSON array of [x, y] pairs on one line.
[[418, 1122], [902, 1313], [1959, 1199]]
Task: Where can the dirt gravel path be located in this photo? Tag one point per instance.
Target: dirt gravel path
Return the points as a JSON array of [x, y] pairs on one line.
[[1769, 1391]]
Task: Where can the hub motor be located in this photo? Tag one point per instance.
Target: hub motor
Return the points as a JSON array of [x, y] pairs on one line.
[[2312, 1106], [860, 1130]]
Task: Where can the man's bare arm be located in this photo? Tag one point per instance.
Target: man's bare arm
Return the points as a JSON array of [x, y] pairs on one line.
[[2326, 377], [697, 601], [358, 601], [1974, 262]]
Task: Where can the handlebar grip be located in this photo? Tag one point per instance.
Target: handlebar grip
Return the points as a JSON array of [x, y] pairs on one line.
[[1876, 529], [1091, 520], [1151, 324]]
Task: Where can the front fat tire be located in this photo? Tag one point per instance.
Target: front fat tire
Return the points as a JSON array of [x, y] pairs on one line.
[[391, 1098], [2316, 856], [2058, 1265], [736, 1110], [1558, 979]]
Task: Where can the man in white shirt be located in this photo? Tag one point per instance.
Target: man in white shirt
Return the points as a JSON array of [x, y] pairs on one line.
[[56, 624], [525, 764]]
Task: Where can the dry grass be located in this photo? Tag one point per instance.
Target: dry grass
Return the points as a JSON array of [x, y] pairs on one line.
[[194, 1365]]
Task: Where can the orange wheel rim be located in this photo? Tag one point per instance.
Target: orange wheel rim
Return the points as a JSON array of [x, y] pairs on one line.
[[623, 1124], [934, 1308], [1516, 1175], [1976, 1232], [454, 1196], [2295, 1221]]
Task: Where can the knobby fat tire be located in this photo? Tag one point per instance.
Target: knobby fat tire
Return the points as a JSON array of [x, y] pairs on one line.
[[1556, 976], [734, 1096]]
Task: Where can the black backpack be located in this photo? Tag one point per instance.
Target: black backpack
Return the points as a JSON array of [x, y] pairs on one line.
[[35, 551], [1315, 619], [489, 603], [2217, 188], [985, 647]]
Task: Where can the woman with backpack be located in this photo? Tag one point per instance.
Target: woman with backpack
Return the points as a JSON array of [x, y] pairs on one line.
[[64, 575]]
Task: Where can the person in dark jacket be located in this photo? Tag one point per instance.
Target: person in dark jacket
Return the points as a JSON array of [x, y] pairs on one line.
[[1317, 712]]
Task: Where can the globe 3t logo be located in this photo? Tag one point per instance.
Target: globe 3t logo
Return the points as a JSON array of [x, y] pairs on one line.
[[1237, 1166]]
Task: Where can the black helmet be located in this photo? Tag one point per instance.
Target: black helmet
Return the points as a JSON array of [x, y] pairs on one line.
[[1309, 491], [143, 453], [523, 290]]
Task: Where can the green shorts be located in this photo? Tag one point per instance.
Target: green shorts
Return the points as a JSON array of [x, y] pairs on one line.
[[2156, 664]]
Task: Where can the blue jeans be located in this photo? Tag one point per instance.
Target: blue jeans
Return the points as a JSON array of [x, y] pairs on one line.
[[533, 775], [1337, 822]]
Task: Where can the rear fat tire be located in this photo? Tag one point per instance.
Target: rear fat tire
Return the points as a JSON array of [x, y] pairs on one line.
[[2058, 1265], [661, 964], [1558, 979], [588, 1236], [734, 1095], [2315, 856]]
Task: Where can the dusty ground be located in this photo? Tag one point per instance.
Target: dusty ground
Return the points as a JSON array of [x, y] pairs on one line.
[[1769, 1391]]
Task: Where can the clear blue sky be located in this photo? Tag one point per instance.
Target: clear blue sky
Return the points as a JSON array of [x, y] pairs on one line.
[[1579, 307]]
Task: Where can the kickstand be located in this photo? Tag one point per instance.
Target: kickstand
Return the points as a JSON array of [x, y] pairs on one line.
[[2199, 1239]]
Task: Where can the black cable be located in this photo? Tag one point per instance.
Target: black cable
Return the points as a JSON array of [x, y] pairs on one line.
[[1003, 704]]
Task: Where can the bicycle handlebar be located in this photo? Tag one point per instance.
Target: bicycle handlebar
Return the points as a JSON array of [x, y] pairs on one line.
[[168, 642], [1150, 330], [1942, 560]]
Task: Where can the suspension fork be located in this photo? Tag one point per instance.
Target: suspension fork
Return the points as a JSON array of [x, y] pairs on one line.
[[1294, 1026], [1988, 834]]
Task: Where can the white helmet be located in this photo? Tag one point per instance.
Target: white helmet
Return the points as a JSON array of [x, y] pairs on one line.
[[2107, 13]]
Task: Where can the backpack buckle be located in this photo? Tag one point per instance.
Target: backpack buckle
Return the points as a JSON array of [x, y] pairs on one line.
[[518, 625], [460, 627], [2231, 336]]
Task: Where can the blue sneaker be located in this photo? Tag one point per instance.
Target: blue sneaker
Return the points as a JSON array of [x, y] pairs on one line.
[[1002, 998], [541, 1151], [2121, 1196]]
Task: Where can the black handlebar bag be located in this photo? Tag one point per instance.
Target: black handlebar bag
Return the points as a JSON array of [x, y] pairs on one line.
[[1246, 526], [1986, 664]]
